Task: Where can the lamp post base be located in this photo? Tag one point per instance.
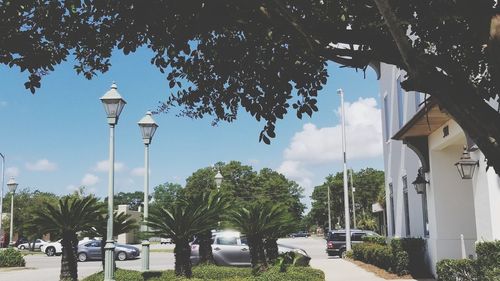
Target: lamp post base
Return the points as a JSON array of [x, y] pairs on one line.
[[109, 261], [145, 255]]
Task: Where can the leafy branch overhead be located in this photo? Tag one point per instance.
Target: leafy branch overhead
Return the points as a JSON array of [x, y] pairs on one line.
[[268, 57]]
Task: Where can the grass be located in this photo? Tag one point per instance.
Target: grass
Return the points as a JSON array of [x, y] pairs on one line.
[[216, 273], [161, 250]]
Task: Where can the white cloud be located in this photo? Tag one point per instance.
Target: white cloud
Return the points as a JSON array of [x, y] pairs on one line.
[[139, 171], [313, 146], [295, 171], [103, 166], [11, 172], [42, 165], [89, 180]]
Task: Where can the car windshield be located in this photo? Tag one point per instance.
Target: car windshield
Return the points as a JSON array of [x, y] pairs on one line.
[[227, 241], [337, 236]]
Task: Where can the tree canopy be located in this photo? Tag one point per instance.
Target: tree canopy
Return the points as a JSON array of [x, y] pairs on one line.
[[368, 183], [245, 186], [270, 56]]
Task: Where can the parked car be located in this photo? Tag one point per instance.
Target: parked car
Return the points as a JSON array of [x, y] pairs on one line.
[[55, 248], [20, 241], [166, 241], [230, 248], [300, 234], [38, 243], [335, 244], [92, 251]]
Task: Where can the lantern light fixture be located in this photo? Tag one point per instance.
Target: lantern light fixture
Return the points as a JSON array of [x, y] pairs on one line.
[[466, 166], [420, 183]]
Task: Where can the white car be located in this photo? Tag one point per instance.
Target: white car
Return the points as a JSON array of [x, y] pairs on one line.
[[38, 243], [230, 248], [55, 248], [166, 241]]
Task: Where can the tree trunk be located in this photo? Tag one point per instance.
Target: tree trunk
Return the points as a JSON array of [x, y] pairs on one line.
[[257, 254], [32, 246], [271, 246], [182, 253], [69, 266], [205, 240]]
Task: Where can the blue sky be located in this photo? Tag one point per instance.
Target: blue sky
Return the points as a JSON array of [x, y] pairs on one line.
[[57, 139]]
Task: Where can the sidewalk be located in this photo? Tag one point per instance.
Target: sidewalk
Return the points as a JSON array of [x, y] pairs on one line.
[[342, 270]]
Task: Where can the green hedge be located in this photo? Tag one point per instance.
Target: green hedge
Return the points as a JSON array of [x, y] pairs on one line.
[[11, 258], [457, 270], [415, 248], [381, 240], [382, 256], [485, 268], [488, 260], [215, 273]]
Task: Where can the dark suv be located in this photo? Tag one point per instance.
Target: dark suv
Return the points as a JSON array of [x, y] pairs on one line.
[[335, 242]]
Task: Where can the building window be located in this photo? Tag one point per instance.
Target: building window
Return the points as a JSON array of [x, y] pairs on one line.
[[425, 214], [406, 205], [391, 199], [417, 101], [400, 102], [387, 128]]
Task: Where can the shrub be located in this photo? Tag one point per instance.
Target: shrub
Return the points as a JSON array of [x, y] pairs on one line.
[[382, 256], [415, 249], [457, 270], [488, 260], [381, 240], [11, 258], [216, 273]]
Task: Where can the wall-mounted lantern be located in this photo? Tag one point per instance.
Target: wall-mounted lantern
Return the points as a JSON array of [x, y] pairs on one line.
[[419, 183], [466, 166]]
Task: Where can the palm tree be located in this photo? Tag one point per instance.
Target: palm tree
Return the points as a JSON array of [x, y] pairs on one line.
[[69, 216], [184, 219], [122, 223], [283, 224], [258, 221], [217, 204]]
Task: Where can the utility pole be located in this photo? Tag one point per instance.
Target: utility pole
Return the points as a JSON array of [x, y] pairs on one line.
[[346, 190], [1, 197], [353, 205], [329, 212]]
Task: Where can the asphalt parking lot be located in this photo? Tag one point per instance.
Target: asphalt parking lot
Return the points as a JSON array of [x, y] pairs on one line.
[[40, 267]]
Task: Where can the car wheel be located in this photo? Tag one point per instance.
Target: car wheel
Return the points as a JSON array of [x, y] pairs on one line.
[[121, 256], [82, 257], [342, 253], [22, 247], [50, 251]]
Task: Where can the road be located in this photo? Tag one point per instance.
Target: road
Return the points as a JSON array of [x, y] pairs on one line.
[[39, 267], [42, 268]]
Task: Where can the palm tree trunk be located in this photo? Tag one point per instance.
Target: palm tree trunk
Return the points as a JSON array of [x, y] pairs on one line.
[[271, 246], [205, 240], [69, 266], [182, 252], [257, 254]]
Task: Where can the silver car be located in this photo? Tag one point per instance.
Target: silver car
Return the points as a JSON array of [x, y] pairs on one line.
[[230, 248], [92, 251]]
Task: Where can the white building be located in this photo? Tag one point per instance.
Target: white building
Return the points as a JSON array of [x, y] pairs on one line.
[[418, 135]]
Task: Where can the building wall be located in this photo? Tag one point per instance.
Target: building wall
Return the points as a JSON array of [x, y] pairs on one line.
[[130, 237], [399, 160], [486, 189], [450, 198]]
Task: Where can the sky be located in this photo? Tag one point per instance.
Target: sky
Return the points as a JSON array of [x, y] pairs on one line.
[[57, 139]]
